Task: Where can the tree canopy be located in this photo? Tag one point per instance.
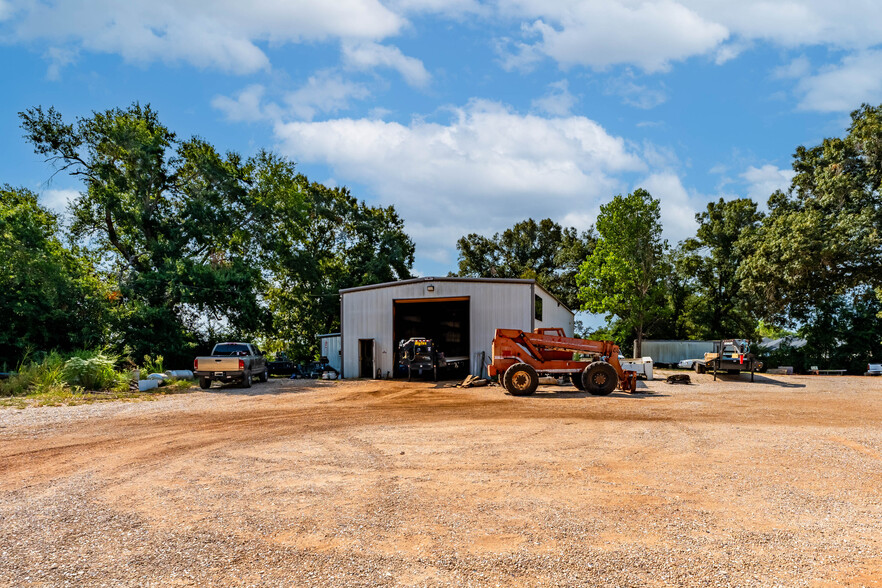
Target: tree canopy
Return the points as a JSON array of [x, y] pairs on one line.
[[823, 237], [717, 308], [624, 275], [544, 251], [196, 245], [50, 294]]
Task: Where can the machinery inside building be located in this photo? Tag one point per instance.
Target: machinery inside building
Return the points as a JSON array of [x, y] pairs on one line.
[[444, 321]]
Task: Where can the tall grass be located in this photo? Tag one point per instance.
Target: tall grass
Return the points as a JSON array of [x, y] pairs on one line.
[[153, 365], [41, 376], [56, 374]]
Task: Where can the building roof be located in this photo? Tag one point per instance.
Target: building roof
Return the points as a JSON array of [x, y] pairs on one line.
[[528, 282]]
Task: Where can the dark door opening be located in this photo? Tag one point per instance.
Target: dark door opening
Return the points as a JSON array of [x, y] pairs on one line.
[[366, 358], [444, 321]]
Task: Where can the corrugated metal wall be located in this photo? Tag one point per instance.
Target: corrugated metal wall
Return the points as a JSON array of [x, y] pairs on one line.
[[331, 349], [367, 314], [674, 351], [554, 314]]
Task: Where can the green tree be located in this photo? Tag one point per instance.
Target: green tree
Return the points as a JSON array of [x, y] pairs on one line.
[[679, 287], [718, 309], [823, 237], [543, 251], [324, 240], [50, 296], [174, 222], [624, 275]]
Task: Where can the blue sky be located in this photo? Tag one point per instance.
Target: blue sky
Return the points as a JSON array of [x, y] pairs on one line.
[[468, 116]]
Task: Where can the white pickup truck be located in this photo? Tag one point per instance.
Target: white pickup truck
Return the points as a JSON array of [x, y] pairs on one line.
[[642, 366]]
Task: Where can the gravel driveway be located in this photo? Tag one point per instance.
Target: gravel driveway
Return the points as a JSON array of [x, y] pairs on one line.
[[775, 483]]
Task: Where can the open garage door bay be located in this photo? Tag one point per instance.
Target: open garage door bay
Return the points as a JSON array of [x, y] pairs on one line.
[[444, 320]]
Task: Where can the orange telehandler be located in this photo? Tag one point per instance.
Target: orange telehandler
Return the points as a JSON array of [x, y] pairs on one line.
[[519, 358]]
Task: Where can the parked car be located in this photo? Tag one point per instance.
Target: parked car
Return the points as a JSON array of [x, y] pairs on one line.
[[281, 365], [686, 363], [874, 369], [231, 362]]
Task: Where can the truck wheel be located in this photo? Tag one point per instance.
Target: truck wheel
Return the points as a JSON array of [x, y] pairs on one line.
[[205, 383], [246, 381], [600, 378], [265, 375], [576, 379], [520, 379], [699, 369]]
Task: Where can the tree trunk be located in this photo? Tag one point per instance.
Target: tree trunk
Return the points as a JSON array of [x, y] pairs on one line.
[[639, 340]]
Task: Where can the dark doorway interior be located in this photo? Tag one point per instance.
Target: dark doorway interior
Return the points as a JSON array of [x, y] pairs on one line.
[[366, 358], [444, 321]]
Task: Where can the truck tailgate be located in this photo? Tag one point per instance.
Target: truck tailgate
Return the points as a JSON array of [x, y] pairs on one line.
[[218, 364]]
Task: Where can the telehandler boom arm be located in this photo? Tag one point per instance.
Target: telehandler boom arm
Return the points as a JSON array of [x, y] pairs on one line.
[[549, 351]]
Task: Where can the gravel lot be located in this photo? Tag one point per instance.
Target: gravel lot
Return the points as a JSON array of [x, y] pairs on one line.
[[775, 483]]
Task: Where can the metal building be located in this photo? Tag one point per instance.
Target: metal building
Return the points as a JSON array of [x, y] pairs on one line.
[[330, 348], [459, 314]]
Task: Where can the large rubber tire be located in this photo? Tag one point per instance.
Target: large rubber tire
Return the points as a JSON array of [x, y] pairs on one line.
[[205, 383], [246, 381], [699, 369], [576, 379], [520, 379], [600, 378], [265, 375]]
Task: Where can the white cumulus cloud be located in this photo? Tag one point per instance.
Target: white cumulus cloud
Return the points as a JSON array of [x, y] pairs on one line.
[[325, 92], [484, 170], [58, 200], [678, 206], [763, 181], [369, 55], [558, 101], [842, 87], [224, 34], [599, 34]]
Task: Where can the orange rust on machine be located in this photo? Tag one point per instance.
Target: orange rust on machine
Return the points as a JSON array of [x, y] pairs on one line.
[[550, 351]]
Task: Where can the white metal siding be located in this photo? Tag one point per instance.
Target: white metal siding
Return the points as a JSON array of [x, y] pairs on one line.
[[672, 352], [555, 314], [367, 314], [331, 349]]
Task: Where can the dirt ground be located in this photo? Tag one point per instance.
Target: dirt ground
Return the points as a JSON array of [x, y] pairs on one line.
[[364, 483]]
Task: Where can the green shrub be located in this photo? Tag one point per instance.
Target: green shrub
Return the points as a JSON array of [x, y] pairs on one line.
[[92, 370]]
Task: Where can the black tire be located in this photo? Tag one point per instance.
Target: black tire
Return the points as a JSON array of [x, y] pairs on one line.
[[576, 379], [699, 369], [205, 383], [246, 381], [520, 379], [264, 377], [600, 378]]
